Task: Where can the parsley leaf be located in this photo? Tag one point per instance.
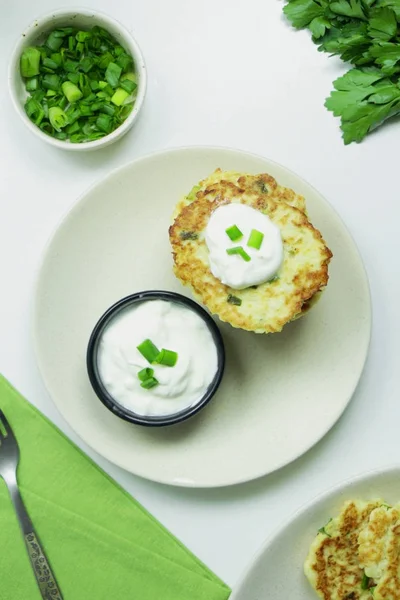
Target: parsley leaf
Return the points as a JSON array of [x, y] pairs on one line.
[[387, 56], [350, 42], [349, 8], [365, 33], [363, 99], [318, 27], [393, 4], [382, 24], [302, 12]]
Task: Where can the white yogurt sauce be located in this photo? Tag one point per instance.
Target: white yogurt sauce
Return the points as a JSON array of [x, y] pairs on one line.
[[233, 270], [168, 325]]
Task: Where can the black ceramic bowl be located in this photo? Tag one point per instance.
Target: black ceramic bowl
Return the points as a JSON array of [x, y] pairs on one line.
[[108, 400]]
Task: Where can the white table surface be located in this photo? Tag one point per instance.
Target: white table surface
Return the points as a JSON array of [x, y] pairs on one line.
[[230, 74]]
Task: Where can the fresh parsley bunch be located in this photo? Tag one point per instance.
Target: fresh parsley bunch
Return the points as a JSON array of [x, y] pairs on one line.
[[365, 33]]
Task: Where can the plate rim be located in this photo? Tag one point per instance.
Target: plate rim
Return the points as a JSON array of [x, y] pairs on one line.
[[68, 214], [304, 507]]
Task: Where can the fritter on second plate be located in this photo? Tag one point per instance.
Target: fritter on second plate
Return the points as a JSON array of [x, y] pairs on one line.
[[332, 565], [265, 308], [379, 552]]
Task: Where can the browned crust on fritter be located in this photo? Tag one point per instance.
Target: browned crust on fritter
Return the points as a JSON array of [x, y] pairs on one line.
[[390, 586], [192, 268], [342, 577], [264, 183], [380, 545], [260, 184]]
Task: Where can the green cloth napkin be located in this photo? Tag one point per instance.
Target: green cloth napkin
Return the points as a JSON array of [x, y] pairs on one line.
[[101, 543]]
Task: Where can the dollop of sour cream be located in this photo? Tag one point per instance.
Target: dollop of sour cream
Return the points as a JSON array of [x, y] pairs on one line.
[[233, 270], [168, 325]]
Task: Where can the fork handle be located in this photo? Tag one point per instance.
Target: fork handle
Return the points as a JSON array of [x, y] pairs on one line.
[[44, 576]]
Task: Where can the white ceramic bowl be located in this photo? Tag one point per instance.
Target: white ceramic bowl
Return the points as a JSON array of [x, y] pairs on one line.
[[83, 18]]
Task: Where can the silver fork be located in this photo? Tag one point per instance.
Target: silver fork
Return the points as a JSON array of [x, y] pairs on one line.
[[9, 458]]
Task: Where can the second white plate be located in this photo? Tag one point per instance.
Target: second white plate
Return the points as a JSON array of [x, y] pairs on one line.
[[280, 394], [276, 572]]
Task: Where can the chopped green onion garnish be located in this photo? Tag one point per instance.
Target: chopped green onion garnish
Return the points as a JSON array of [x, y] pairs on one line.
[[73, 128], [55, 40], [166, 357], [323, 530], [239, 250], [188, 235], [145, 374], [32, 84], [365, 582], [57, 58], [51, 81], [29, 62], [104, 123], [57, 118], [234, 300], [255, 239], [234, 233], [71, 66], [71, 91], [73, 77], [107, 109], [104, 60], [50, 64], [149, 383], [88, 69], [94, 85], [148, 350], [130, 75], [118, 50], [119, 97], [86, 111], [192, 195], [124, 61], [113, 74], [82, 36], [128, 86], [86, 64]]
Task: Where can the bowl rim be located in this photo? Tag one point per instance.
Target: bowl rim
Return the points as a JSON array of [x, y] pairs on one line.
[[96, 381], [134, 48]]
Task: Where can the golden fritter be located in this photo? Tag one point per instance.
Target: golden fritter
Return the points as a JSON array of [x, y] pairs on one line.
[[259, 184], [332, 566], [265, 308], [379, 552]]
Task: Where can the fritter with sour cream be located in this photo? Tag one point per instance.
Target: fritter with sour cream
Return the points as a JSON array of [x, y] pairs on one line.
[[267, 307], [259, 184]]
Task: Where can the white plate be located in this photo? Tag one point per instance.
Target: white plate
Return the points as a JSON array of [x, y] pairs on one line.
[[280, 394], [276, 572]]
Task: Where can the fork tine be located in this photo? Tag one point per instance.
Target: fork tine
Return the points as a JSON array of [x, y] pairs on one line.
[[6, 426]]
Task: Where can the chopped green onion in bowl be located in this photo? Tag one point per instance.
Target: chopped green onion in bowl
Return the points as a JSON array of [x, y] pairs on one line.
[[81, 84]]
